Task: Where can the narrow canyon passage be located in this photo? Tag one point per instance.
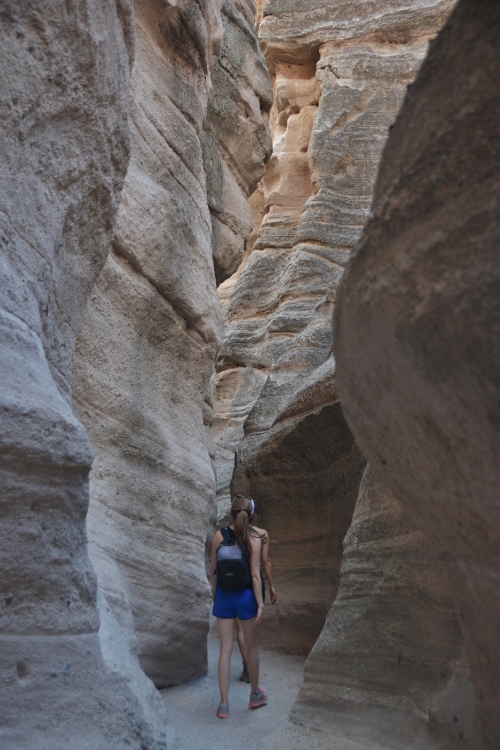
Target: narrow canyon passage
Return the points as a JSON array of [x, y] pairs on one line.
[[250, 249], [191, 707]]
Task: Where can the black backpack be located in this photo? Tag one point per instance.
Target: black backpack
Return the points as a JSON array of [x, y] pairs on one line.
[[233, 565]]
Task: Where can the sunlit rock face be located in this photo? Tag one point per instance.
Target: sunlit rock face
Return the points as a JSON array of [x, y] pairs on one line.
[[64, 150], [145, 358], [418, 327], [339, 74]]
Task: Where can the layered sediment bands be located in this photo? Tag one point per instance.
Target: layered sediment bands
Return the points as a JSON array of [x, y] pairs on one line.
[[64, 150], [388, 670], [339, 77], [300, 458], [418, 322], [144, 364], [236, 141]]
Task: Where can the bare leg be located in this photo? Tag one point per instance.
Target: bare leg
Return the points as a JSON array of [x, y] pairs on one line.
[[226, 628], [250, 635], [241, 644]]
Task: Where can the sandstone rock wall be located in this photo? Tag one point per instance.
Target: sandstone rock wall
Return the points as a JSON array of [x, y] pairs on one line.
[[339, 76], [64, 149], [145, 358], [417, 329], [300, 462], [236, 141], [389, 669]]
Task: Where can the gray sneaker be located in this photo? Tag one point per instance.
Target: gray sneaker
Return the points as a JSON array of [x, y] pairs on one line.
[[259, 698], [244, 676], [223, 711]]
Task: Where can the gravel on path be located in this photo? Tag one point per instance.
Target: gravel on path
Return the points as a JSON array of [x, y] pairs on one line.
[[193, 725]]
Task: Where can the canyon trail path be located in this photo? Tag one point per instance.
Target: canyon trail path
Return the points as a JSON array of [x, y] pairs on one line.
[[191, 707]]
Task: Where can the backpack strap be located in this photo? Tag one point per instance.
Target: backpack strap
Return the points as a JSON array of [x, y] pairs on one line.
[[226, 536]]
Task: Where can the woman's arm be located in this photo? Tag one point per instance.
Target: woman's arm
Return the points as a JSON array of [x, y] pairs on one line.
[[256, 581], [213, 562], [266, 562]]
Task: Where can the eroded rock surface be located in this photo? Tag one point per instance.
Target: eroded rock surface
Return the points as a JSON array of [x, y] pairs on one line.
[[300, 458], [236, 141], [389, 669], [145, 359], [339, 76], [64, 150], [418, 323]]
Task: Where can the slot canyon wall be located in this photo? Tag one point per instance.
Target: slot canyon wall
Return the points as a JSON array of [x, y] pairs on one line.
[[144, 363], [65, 680], [124, 205], [339, 77], [418, 323], [388, 669], [144, 360]]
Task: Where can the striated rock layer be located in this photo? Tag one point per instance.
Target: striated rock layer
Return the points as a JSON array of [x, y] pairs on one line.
[[388, 670], [418, 326], [236, 141], [339, 76], [145, 357], [300, 459], [64, 150]]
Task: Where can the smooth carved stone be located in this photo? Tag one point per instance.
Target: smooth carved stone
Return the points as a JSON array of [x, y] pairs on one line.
[[418, 322], [145, 360], [141, 396], [64, 150], [238, 389], [297, 447], [292, 296], [388, 670], [340, 77], [363, 87], [236, 141]]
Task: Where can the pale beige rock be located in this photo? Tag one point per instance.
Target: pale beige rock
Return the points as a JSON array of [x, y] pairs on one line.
[[64, 150], [145, 360], [293, 31], [418, 327], [299, 461], [339, 77], [236, 140]]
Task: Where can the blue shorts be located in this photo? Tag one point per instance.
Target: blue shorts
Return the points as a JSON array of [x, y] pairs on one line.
[[231, 604]]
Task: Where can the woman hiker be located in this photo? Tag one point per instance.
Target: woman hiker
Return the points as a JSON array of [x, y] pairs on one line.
[[237, 593], [266, 564]]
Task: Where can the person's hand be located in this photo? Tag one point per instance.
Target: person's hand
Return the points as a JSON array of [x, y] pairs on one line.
[[273, 594], [260, 616]]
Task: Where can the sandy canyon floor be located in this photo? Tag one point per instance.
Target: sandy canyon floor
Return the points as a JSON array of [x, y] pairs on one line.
[[191, 707]]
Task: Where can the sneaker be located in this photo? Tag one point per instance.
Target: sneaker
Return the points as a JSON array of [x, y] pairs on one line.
[[245, 676], [259, 698], [223, 711]]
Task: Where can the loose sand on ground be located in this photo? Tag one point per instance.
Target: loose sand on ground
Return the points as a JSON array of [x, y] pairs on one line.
[[191, 707]]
